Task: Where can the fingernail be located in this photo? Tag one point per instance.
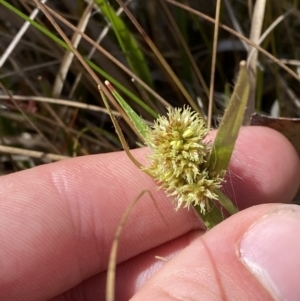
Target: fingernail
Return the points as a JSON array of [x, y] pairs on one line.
[[271, 251]]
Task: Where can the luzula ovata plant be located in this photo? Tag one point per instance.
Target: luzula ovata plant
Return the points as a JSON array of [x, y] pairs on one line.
[[179, 158]]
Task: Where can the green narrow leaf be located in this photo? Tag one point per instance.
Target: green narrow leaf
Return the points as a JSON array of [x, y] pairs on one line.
[[128, 43], [35, 24], [187, 72], [211, 218], [231, 122], [137, 121], [226, 203], [119, 131], [136, 99]]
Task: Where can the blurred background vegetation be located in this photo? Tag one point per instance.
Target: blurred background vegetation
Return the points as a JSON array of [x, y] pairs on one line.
[[155, 53]]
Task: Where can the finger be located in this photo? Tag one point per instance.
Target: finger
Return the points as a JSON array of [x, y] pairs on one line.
[[60, 219], [264, 168], [57, 223], [132, 274], [251, 256]]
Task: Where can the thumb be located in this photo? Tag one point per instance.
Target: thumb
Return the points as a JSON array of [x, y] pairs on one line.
[[253, 255]]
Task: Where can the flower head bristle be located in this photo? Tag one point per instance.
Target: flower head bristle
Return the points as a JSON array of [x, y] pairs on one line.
[[179, 158]]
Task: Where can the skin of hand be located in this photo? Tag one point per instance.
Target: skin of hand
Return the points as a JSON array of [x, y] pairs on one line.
[[57, 224]]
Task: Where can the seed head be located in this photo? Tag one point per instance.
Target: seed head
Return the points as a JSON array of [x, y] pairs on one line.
[[179, 156]]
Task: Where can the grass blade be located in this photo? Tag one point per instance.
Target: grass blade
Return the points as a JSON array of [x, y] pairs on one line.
[[126, 91], [137, 121], [35, 24], [231, 122], [226, 203], [131, 49], [119, 131]]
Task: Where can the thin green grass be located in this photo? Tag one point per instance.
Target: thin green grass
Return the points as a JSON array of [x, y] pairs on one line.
[[128, 44]]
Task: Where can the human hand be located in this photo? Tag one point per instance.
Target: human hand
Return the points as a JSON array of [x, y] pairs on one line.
[[57, 224]]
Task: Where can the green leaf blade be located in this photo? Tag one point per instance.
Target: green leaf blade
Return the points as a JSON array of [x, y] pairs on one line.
[[137, 121], [231, 122], [130, 47]]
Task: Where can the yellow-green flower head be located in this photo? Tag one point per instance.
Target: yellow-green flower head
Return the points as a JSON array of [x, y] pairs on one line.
[[179, 158]]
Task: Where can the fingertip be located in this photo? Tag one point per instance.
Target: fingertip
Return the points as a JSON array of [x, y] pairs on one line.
[[237, 260], [264, 168], [270, 251]]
